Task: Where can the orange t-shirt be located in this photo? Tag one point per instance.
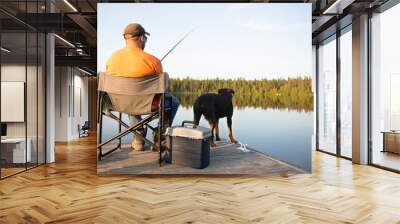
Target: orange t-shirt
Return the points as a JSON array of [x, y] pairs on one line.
[[133, 62]]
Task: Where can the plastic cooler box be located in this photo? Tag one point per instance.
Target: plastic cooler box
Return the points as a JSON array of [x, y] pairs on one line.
[[189, 145]]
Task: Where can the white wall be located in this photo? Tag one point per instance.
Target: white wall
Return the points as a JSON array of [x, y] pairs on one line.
[[62, 81], [12, 73], [70, 84], [79, 112]]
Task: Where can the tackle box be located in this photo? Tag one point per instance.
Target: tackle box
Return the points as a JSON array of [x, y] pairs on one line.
[[189, 145]]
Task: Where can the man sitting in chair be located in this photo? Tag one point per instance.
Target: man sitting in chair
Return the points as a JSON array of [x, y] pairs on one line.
[[132, 61]]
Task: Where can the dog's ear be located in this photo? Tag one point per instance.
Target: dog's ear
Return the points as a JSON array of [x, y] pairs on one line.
[[225, 90], [221, 90]]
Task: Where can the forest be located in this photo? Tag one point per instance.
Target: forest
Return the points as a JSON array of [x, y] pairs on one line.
[[291, 93]]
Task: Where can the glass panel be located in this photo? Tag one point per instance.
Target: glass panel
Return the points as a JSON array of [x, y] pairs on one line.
[[327, 96], [31, 98], [346, 94], [23, 87], [41, 98], [32, 88], [386, 89], [13, 87]]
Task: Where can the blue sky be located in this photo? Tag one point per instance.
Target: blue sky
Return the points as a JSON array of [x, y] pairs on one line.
[[250, 41]]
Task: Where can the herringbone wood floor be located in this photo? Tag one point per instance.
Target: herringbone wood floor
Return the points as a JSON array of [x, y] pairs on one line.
[[70, 191]]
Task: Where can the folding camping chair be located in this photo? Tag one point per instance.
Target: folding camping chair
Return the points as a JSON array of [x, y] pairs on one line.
[[132, 96], [83, 131]]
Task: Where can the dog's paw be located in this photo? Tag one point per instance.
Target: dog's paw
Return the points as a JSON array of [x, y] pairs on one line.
[[217, 139], [213, 145], [234, 141]]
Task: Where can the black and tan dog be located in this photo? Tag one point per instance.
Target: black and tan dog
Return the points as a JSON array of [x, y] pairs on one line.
[[215, 106]]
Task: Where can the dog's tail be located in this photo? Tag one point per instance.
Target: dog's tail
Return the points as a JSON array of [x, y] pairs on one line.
[[197, 115]]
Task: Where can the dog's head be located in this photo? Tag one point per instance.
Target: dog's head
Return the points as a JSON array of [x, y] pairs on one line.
[[226, 92]]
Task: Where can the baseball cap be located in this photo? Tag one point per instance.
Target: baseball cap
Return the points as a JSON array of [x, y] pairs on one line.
[[135, 29]]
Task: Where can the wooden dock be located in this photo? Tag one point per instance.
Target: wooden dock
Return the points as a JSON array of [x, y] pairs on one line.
[[225, 159]]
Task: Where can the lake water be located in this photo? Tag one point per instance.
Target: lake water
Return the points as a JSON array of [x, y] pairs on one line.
[[281, 133]]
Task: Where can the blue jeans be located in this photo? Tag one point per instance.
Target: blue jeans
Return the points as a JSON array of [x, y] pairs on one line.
[[171, 102]]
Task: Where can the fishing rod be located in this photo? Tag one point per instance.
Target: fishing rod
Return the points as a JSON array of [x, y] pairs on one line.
[[184, 37]]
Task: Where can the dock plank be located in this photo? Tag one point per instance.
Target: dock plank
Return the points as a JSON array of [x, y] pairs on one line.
[[226, 158]]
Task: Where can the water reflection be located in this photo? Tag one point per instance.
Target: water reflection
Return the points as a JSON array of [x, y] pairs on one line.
[[256, 101], [275, 128]]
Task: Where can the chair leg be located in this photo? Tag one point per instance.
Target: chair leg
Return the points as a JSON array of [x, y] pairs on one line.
[[160, 127], [100, 115], [99, 134], [99, 122], [112, 116], [121, 133], [169, 113], [119, 130], [131, 129]]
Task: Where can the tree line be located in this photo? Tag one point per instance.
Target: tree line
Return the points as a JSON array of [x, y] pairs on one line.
[[291, 93]]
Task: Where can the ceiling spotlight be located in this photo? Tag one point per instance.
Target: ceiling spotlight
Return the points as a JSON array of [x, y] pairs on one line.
[[84, 71], [338, 6], [5, 50], [70, 5], [64, 40], [80, 51]]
